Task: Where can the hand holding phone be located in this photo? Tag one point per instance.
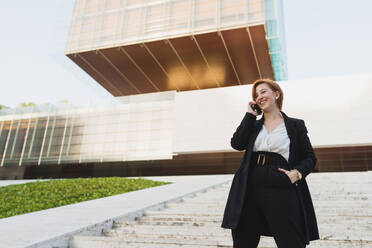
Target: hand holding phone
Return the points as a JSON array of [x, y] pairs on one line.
[[253, 108], [256, 108]]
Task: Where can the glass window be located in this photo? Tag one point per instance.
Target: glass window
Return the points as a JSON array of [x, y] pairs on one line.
[[12, 139], [255, 11], [113, 4], [180, 15], [4, 137], [110, 26], [131, 3], [205, 13], [156, 18], [93, 6], [133, 23], [232, 11], [87, 29], [34, 139]]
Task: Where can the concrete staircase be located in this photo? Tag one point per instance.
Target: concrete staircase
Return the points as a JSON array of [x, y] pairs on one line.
[[342, 201]]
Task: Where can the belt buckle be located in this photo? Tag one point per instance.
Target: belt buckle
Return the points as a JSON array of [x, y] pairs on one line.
[[259, 159]]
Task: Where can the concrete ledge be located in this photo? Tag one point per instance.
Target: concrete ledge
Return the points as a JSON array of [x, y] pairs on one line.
[[13, 182], [54, 227]]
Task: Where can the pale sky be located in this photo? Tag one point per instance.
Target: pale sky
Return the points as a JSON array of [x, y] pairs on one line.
[[324, 38]]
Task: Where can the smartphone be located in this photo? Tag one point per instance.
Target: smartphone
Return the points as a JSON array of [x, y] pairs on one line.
[[256, 108]]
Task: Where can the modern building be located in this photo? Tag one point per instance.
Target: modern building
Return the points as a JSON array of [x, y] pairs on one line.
[[181, 73], [143, 46]]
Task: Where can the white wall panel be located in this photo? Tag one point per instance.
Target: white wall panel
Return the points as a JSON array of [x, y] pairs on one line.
[[337, 112]]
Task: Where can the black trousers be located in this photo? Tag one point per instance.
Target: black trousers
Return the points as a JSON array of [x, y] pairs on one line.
[[271, 207]]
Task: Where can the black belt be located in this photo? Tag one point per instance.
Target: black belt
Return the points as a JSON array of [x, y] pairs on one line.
[[262, 158]]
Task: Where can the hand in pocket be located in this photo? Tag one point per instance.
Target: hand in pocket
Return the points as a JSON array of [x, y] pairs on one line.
[[292, 176], [279, 178]]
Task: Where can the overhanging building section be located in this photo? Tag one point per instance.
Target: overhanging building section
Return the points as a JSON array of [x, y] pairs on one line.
[[135, 47]]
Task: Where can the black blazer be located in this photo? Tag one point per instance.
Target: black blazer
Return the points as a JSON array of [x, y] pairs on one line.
[[301, 157]]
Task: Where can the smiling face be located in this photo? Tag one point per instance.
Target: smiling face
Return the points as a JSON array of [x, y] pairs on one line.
[[266, 97]]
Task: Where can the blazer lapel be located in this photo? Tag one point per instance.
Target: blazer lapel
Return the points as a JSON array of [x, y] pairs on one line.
[[291, 135], [252, 139], [257, 130]]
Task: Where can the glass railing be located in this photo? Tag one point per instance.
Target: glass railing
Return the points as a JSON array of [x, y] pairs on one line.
[[134, 128]]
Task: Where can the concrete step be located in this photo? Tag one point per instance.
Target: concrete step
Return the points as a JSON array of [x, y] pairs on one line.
[[218, 219], [319, 204], [220, 236], [167, 230], [184, 236], [366, 208], [169, 242], [327, 231], [128, 242], [339, 200], [338, 191], [319, 211], [343, 206], [196, 223]]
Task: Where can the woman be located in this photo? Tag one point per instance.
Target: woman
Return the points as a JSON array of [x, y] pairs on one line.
[[269, 195]]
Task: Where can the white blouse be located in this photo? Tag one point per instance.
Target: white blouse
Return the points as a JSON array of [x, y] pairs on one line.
[[277, 141]]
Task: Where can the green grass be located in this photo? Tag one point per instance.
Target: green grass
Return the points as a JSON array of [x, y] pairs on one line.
[[35, 196]]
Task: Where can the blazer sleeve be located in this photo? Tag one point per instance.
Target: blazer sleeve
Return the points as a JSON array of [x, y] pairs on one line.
[[239, 140], [308, 159]]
